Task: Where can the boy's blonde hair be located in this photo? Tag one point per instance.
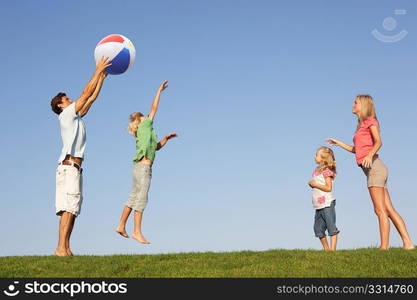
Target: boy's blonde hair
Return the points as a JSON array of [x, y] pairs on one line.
[[134, 123], [327, 160], [367, 107]]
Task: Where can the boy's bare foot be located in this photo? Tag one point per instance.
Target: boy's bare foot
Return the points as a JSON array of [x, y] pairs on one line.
[[60, 253], [140, 238], [69, 252], [383, 248], [122, 232], [409, 247]]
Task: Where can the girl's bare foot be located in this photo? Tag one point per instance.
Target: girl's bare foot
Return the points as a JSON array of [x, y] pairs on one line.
[[61, 253], [140, 238], [122, 232]]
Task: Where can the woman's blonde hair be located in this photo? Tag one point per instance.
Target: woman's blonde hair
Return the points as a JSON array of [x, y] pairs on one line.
[[327, 160], [134, 123], [367, 107]]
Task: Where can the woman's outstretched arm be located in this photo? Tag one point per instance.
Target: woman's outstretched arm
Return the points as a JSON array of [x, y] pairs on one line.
[[341, 144]]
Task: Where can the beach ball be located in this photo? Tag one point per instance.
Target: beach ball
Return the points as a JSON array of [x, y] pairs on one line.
[[119, 49]]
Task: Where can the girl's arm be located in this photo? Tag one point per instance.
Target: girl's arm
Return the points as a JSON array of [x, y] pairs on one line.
[[165, 140], [341, 144], [367, 161], [155, 102], [325, 188]]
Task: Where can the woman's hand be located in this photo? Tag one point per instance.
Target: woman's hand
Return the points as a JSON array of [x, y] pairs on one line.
[[367, 161], [312, 183], [342, 145], [332, 141], [163, 86]]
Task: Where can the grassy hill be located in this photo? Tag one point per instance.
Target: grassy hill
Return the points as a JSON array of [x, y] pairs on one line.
[[273, 263]]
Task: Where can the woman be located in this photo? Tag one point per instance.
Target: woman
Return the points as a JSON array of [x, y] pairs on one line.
[[367, 142], [141, 128]]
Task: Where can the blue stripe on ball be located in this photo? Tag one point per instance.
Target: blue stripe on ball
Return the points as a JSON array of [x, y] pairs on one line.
[[120, 63]]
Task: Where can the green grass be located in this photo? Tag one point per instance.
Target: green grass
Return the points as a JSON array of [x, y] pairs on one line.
[[369, 262]]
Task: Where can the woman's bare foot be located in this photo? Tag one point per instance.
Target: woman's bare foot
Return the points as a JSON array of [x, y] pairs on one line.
[[140, 238], [122, 232], [61, 253]]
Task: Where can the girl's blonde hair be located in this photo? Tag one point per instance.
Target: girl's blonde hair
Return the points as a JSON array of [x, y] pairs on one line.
[[134, 123], [327, 160], [367, 107]]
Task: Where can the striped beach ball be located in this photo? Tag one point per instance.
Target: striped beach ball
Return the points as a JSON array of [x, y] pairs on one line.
[[119, 49]]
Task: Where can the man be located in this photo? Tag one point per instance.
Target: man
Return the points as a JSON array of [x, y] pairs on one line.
[[69, 197]]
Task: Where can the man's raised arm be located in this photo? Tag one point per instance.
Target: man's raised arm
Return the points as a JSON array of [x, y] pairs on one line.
[[84, 110], [92, 84]]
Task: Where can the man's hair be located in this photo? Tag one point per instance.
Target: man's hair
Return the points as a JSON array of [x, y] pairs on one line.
[[56, 101]]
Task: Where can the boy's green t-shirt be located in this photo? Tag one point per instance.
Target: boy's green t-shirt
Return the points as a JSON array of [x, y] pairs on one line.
[[146, 141]]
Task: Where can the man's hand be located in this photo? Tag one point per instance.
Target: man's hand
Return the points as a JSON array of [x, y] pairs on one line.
[[102, 64], [103, 75]]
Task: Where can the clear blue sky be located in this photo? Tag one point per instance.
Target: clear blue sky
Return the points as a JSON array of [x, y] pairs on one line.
[[255, 88]]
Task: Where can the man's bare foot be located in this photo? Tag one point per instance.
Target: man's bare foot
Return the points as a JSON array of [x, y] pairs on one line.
[[140, 238], [61, 253], [122, 232]]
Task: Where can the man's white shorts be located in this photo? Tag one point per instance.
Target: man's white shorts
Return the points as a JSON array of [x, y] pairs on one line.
[[69, 198]]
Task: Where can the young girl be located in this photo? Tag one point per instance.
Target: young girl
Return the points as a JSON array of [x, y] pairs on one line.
[[367, 142], [323, 200], [141, 128]]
